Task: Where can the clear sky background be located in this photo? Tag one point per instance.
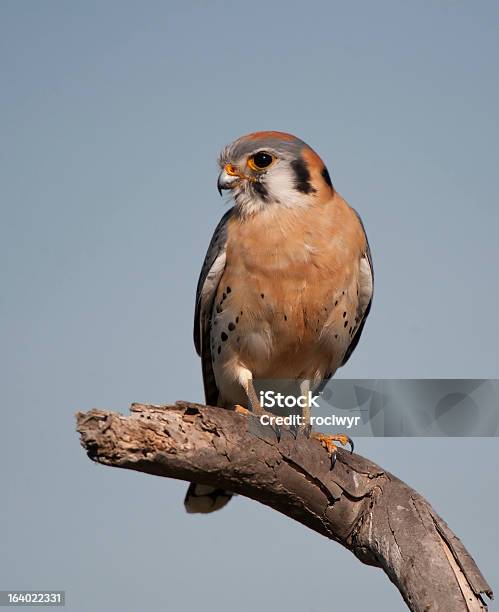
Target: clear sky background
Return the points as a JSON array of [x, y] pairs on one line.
[[112, 117]]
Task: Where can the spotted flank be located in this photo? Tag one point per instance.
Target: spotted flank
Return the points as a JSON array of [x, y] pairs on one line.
[[202, 499]]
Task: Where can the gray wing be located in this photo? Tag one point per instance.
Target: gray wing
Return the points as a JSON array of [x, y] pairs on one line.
[[366, 287], [211, 273]]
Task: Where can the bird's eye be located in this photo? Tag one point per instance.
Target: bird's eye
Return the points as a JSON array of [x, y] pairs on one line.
[[260, 160]]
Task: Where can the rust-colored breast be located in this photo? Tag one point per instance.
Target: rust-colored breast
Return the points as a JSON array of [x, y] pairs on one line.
[[287, 302]]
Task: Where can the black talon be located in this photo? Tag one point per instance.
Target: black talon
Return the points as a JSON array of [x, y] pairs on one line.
[[333, 460], [294, 429], [350, 441], [277, 430]]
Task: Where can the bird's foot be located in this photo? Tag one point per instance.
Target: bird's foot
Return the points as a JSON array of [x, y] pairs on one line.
[[328, 442], [241, 409]]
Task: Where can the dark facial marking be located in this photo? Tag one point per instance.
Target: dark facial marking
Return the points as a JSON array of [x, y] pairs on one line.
[[326, 177], [302, 176], [261, 190], [229, 289], [224, 336], [231, 326]]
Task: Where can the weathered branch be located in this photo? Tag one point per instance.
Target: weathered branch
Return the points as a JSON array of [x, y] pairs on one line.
[[379, 518]]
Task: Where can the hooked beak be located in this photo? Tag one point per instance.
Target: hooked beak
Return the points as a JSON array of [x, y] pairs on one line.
[[229, 177]]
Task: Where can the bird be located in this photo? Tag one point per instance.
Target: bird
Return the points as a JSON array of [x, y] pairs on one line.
[[286, 284]]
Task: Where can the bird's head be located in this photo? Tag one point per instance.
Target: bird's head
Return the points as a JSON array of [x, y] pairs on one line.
[[272, 169]]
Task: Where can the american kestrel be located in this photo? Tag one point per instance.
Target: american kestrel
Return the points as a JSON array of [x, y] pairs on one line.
[[286, 284]]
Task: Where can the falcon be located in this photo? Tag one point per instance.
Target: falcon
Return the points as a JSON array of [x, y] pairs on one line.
[[287, 281]]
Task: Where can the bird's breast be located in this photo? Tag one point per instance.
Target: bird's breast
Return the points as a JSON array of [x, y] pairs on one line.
[[282, 296]]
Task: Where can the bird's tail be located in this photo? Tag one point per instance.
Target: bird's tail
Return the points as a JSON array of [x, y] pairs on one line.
[[201, 499]]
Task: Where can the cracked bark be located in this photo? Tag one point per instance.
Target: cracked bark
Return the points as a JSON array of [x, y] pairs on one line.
[[375, 515]]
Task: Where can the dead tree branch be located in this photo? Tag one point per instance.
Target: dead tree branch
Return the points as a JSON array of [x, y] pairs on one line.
[[379, 518]]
